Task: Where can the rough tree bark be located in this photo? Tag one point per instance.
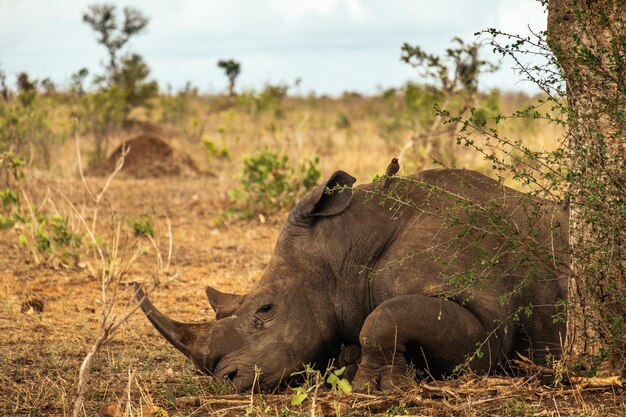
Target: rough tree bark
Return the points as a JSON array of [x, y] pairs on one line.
[[588, 39]]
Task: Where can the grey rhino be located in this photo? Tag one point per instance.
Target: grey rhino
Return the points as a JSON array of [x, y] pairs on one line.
[[444, 268]]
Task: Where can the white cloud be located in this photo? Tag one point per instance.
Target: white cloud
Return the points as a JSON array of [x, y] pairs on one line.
[[517, 16], [332, 44], [292, 11]]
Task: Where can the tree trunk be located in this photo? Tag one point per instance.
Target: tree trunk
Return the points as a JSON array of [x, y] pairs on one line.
[[588, 39]]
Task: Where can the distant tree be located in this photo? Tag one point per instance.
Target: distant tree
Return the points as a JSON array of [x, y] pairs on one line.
[[232, 69], [26, 88], [450, 79], [48, 86], [24, 83], [4, 89], [127, 74], [113, 35], [77, 80], [131, 78]]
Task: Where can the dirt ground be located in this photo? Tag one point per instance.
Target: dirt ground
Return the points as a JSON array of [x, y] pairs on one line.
[[50, 312]]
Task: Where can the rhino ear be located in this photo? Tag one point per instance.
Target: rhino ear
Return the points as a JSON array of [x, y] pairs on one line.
[[328, 199], [222, 303]]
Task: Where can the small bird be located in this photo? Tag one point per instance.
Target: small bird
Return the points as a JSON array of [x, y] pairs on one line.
[[392, 170]]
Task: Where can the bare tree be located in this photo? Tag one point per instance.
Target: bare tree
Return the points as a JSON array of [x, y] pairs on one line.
[[113, 35], [77, 80], [454, 76]]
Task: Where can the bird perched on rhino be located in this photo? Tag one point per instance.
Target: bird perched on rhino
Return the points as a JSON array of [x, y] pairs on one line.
[[392, 170]]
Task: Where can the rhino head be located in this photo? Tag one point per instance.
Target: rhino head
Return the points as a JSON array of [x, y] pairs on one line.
[[287, 320]]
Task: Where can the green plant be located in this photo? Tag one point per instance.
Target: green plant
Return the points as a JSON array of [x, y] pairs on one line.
[[313, 380], [452, 83], [176, 107], [6, 222], [132, 80], [271, 98], [397, 410], [50, 237], [309, 174], [8, 198], [25, 125], [102, 113], [213, 151], [11, 166], [65, 243], [270, 183], [10, 208], [515, 407], [142, 225], [309, 387], [338, 384]]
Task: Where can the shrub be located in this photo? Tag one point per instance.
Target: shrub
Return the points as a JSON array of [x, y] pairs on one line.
[[132, 80], [25, 126], [175, 107], [142, 225], [51, 237], [102, 113], [65, 243], [7, 214], [270, 183], [270, 99]]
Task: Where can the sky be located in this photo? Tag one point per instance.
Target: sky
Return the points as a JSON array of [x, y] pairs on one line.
[[331, 45]]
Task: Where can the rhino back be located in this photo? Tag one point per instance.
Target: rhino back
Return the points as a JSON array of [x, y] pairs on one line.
[[463, 236]]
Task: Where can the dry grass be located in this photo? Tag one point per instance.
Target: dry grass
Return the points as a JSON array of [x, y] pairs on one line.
[[137, 372], [378, 128]]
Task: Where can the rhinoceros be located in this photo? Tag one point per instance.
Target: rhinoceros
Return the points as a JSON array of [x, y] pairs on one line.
[[444, 268]]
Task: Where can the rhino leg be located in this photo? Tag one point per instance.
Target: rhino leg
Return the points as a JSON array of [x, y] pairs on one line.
[[432, 333], [349, 358]]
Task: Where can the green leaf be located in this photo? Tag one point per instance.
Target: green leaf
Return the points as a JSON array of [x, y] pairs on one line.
[[345, 386], [297, 399], [338, 372], [332, 379]]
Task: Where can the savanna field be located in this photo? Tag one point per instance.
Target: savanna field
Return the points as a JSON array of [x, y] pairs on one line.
[[206, 183]]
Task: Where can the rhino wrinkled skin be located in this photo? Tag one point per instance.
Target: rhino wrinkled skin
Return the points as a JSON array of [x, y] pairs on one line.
[[428, 272]]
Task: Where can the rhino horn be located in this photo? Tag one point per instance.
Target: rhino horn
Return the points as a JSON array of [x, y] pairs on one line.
[[186, 337], [222, 303]]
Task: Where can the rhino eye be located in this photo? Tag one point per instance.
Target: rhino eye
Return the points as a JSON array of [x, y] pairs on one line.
[[265, 308], [264, 316]]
